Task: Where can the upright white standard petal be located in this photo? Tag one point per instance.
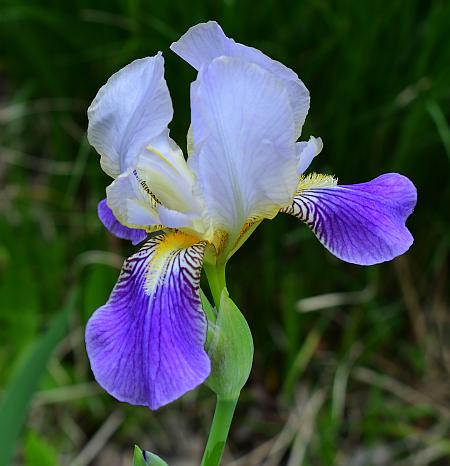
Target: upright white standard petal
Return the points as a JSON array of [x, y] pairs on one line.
[[206, 41], [244, 142], [131, 109]]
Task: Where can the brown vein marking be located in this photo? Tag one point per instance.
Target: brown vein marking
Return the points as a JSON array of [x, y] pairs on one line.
[[167, 247], [243, 231], [247, 227], [219, 240], [146, 188]]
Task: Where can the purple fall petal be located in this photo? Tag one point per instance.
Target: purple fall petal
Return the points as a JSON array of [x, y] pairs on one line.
[[360, 223], [116, 228], [146, 344]]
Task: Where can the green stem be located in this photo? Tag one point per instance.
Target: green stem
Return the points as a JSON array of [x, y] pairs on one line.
[[216, 280], [219, 432], [224, 412]]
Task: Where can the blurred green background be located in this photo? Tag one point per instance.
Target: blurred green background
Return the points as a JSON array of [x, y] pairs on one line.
[[352, 364]]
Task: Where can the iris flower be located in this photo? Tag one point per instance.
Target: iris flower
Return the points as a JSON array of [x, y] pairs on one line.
[[147, 343]]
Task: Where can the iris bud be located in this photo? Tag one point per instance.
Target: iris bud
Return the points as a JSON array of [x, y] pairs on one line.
[[230, 348], [145, 458]]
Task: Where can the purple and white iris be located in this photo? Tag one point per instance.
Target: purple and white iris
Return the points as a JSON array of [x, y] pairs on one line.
[[146, 344]]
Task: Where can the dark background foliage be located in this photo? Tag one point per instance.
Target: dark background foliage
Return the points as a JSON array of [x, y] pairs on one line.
[[352, 364]]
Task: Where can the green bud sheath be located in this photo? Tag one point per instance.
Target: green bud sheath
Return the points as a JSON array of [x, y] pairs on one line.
[[145, 458], [230, 348]]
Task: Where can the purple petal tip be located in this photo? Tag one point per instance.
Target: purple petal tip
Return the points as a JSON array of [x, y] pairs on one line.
[[111, 223]]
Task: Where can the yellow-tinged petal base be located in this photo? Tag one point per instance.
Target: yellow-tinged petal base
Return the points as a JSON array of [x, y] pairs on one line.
[[172, 242]]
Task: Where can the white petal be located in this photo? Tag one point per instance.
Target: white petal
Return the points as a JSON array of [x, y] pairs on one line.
[[306, 151], [189, 222], [131, 109], [206, 41], [131, 203], [243, 131], [165, 171], [202, 43]]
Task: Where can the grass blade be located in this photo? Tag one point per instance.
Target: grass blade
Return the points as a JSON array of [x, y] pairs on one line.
[[23, 384]]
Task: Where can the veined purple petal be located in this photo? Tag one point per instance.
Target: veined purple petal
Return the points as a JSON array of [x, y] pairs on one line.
[[204, 42], [115, 227], [360, 223], [146, 344]]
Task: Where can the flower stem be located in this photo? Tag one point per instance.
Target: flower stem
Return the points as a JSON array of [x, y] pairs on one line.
[[219, 431], [216, 280], [224, 411]]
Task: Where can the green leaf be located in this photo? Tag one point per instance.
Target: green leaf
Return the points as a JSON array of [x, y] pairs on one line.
[[138, 457], [22, 385], [145, 458], [230, 350], [154, 460]]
